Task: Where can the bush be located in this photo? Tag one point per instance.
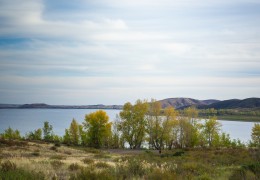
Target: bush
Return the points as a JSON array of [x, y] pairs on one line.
[[56, 164], [8, 166], [21, 174], [58, 157], [57, 144], [35, 153], [87, 161], [130, 168], [74, 167], [102, 156], [102, 165], [157, 174], [90, 174], [92, 150], [54, 148]]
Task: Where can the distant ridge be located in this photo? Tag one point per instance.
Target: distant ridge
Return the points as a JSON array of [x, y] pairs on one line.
[[234, 103], [182, 103], [177, 103], [46, 106]]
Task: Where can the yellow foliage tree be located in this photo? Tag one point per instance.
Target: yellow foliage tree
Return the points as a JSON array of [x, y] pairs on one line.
[[98, 128]]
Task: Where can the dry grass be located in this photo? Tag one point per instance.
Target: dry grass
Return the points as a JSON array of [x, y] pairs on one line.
[[63, 162], [41, 157]]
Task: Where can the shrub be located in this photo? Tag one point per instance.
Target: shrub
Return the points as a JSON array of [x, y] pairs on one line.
[[56, 164], [74, 167], [54, 148], [102, 156], [21, 174], [57, 144], [157, 174], [8, 166], [131, 167], [35, 153], [102, 165], [87, 161], [92, 150], [58, 157], [90, 174]]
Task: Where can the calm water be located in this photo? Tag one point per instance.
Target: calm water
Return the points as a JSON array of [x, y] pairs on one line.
[[27, 120]]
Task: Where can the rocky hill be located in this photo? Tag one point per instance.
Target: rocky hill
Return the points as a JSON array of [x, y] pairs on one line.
[[180, 103]]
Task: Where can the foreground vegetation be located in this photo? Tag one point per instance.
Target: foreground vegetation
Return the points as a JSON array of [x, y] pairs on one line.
[[39, 160], [144, 142]]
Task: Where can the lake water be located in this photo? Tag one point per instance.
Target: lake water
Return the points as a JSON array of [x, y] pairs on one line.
[[26, 120]]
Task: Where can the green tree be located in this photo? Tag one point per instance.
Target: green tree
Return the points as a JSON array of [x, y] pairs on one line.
[[74, 132], [66, 137], [47, 131], [133, 123], [189, 128], [159, 126], [211, 130], [36, 135], [11, 134], [255, 135], [98, 128], [83, 136], [115, 139]]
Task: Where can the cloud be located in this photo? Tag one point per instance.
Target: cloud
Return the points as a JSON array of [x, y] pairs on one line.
[[127, 49]]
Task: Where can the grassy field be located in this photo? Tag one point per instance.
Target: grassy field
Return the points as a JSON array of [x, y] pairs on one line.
[[38, 160], [236, 118], [239, 118]]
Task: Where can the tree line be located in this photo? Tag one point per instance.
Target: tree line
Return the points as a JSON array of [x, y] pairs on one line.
[[141, 125]]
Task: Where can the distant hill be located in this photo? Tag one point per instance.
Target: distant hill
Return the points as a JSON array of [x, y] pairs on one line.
[[177, 103], [234, 103], [180, 103], [46, 106]]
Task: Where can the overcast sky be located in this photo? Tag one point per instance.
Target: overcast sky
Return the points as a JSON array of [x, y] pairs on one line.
[[114, 51]]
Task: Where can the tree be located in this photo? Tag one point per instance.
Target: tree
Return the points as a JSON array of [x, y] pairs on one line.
[[255, 135], [36, 135], [47, 131], [115, 139], [83, 136], [66, 137], [159, 127], [132, 123], [74, 132], [10, 134], [189, 128], [98, 128], [211, 130]]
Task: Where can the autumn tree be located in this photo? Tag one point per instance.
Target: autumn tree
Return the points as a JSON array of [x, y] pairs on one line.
[[255, 135], [98, 128], [211, 130], [189, 128], [133, 122], [159, 126], [74, 132], [83, 135], [66, 137], [116, 138]]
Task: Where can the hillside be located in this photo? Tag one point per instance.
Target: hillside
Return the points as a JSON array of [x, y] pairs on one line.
[[234, 103], [179, 103]]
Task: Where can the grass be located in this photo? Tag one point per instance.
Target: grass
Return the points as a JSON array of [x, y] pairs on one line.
[[243, 118], [240, 118], [223, 163]]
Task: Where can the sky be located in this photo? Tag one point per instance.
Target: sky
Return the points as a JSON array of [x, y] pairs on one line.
[[114, 51]]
